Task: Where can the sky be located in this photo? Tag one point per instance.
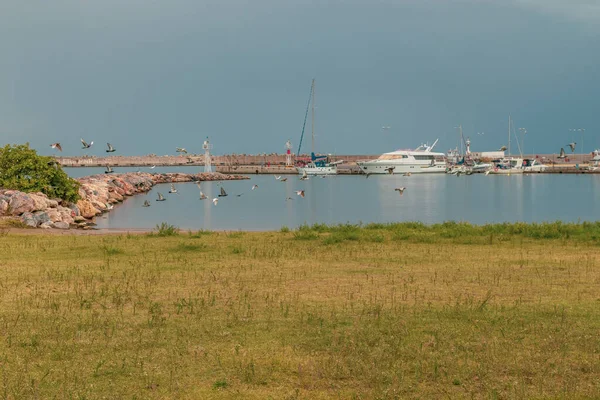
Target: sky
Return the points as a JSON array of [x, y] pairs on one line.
[[152, 75]]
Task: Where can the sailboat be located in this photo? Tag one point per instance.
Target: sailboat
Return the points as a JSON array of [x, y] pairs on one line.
[[508, 165], [318, 165]]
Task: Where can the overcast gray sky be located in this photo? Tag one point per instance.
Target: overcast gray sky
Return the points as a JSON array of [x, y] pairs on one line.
[[148, 75]]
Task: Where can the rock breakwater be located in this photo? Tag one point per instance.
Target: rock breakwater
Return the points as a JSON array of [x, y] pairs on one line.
[[98, 194]]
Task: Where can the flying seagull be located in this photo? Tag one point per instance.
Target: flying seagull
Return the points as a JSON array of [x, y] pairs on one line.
[[222, 194], [56, 146], [400, 190], [160, 197], [300, 193], [406, 174], [86, 145], [146, 203], [572, 146], [277, 177], [109, 170], [239, 195], [390, 170], [283, 179], [488, 171], [152, 167], [562, 153], [288, 198], [173, 190], [110, 148], [181, 150], [203, 196], [503, 148], [254, 187], [215, 201], [304, 176]]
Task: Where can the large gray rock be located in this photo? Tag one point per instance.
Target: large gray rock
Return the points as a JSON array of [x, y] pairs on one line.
[[3, 207], [29, 219], [46, 225], [41, 217]]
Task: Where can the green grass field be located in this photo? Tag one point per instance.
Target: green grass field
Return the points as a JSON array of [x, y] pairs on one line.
[[380, 311]]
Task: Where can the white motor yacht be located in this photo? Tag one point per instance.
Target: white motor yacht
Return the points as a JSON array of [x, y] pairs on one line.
[[418, 161]]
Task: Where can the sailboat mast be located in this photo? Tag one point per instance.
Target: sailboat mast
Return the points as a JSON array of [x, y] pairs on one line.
[[509, 135], [312, 149]]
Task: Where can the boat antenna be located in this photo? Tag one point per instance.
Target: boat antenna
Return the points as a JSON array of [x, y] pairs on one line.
[[306, 115]]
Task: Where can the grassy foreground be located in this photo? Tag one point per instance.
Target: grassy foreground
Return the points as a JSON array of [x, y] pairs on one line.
[[382, 311]]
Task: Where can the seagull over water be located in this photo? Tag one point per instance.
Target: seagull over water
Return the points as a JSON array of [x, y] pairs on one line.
[[160, 197], [203, 196], [109, 170], [215, 201], [503, 148], [173, 190], [277, 177], [181, 150], [86, 145], [283, 179], [110, 148], [300, 193], [146, 203], [400, 190], [152, 167], [254, 187], [390, 170], [562, 153], [56, 146]]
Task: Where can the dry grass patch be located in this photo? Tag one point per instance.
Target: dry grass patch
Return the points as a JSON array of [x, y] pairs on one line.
[[376, 312]]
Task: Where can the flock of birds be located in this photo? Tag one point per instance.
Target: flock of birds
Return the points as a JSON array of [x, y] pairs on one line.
[[222, 193]]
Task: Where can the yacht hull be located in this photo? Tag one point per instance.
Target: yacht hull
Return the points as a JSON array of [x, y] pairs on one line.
[[383, 168]]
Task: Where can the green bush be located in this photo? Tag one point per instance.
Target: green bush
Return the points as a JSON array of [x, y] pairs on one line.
[[165, 229], [21, 168]]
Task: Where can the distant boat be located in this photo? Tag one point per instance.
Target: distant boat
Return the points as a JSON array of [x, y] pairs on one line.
[[318, 164], [508, 165]]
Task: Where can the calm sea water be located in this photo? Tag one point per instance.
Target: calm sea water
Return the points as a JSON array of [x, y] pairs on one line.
[[432, 198]]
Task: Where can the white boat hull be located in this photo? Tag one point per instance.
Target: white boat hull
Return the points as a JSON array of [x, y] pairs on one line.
[[511, 171], [327, 170], [373, 167]]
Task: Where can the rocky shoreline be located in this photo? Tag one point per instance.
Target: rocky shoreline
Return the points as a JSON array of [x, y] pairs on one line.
[[98, 193]]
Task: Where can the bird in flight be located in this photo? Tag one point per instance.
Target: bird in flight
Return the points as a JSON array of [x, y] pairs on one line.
[[202, 196], [254, 187], [572, 146], [300, 193], [223, 193], [110, 149], [146, 203], [304, 176], [160, 197], [152, 167], [181, 150], [277, 177], [173, 190], [503, 148], [562, 153], [288, 198], [215, 201], [284, 180], [109, 170], [400, 190], [390, 170], [85, 144], [56, 146]]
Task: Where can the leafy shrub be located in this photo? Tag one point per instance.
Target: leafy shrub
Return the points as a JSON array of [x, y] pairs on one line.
[[21, 168], [165, 229]]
